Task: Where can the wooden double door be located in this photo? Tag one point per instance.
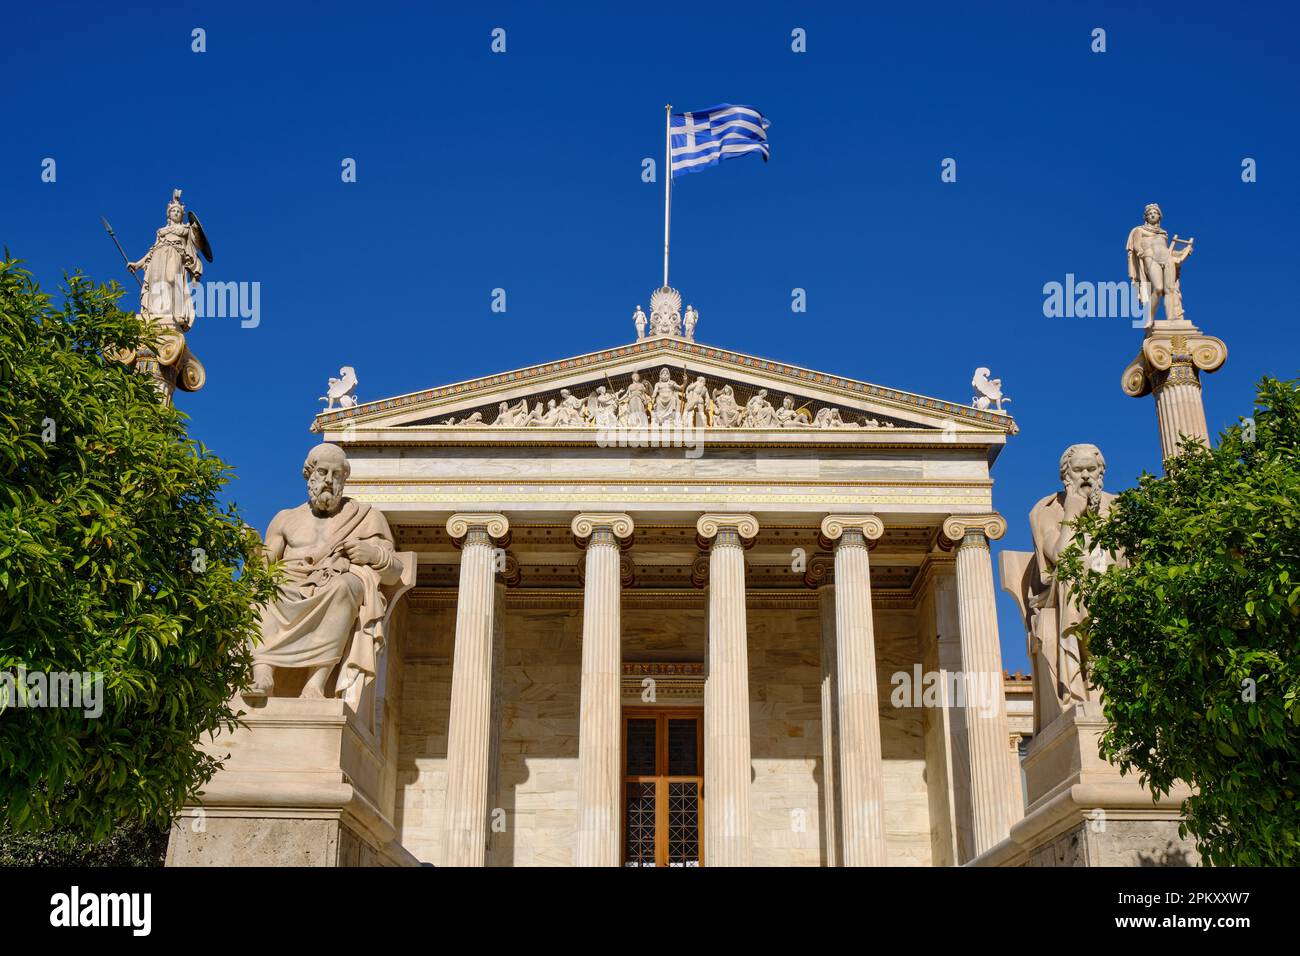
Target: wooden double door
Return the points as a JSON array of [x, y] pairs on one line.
[[663, 782]]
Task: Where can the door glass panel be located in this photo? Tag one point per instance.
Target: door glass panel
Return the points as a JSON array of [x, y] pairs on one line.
[[682, 759], [641, 748]]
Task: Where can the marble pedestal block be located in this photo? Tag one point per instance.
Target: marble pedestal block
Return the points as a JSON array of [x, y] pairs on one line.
[[1082, 812], [301, 787]]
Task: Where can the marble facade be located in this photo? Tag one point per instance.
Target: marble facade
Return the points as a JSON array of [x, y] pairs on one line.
[[777, 576]]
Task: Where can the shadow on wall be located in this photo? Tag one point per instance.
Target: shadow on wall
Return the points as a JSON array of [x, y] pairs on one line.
[[1171, 855]]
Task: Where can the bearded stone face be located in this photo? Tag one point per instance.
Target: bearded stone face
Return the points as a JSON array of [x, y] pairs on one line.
[[1084, 474], [325, 480]]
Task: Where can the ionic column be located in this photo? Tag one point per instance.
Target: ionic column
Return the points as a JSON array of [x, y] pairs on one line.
[[947, 750], [1169, 366], [981, 653], [469, 734], [821, 577], [861, 770], [727, 765], [599, 745], [509, 577]]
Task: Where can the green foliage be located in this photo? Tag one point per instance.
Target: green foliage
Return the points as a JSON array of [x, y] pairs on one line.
[[1196, 641], [98, 535], [134, 844]]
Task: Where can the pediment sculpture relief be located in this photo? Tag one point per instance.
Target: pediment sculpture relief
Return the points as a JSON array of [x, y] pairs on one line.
[[667, 401]]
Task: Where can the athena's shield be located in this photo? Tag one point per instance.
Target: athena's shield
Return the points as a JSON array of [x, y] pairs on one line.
[[200, 237]]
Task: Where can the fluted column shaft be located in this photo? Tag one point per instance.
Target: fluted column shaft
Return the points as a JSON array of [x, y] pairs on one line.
[[861, 769], [599, 746], [727, 764], [985, 703], [830, 725], [469, 734], [1179, 408]]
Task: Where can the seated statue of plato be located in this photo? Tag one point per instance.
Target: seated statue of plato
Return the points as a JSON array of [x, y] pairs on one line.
[[341, 568]]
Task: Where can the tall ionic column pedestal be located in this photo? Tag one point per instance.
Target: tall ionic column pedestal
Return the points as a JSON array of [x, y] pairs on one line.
[[1169, 366], [727, 764], [599, 745]]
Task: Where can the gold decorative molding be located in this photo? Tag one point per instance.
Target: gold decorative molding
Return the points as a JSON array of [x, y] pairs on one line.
[[792, 482], [697, 498], [671, 679]]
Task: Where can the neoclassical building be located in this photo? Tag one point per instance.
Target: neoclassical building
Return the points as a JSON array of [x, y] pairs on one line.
[[669, 604]]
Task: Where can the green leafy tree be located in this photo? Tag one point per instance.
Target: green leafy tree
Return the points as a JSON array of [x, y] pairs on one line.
[[132, 844], [116, 559], [1195, 639]]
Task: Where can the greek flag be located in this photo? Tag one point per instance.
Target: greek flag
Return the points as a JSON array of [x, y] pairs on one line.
[[706, 137]]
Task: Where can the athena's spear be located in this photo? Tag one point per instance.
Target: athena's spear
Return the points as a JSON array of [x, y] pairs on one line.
[[125, 258]]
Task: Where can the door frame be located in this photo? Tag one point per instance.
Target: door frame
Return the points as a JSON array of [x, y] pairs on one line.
[[662, 714]]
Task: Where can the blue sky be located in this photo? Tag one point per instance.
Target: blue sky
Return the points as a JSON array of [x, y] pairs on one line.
[[522, 171]]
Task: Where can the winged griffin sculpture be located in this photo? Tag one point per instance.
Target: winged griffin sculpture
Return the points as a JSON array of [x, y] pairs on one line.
[[342, 391], [989, 391]]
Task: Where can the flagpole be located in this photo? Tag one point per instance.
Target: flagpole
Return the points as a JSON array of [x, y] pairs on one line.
[[668, 182]]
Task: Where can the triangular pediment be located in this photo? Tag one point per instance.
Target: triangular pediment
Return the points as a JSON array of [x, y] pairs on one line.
[[758, 387]]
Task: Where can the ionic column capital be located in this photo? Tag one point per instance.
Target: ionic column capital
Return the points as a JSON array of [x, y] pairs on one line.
[[589, 525], [990, 527], [1178, 355], [720, 529], [700, 571], [509, 572], [821, 572], [495, 526], [833, 528]]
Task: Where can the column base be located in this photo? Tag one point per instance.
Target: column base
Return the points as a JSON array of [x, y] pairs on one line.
[[1082, 812], [301, 787]]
